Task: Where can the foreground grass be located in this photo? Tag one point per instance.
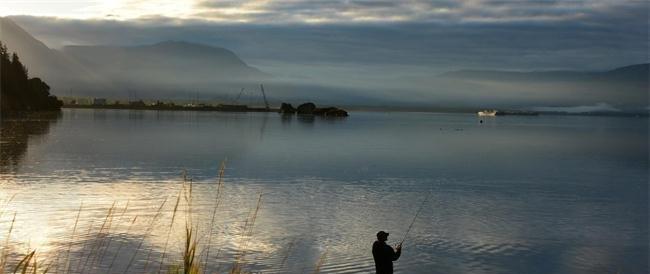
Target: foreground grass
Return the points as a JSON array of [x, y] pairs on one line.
[[96, 256]]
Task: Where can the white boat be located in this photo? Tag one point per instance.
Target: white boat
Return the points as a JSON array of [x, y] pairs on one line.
[[487, 113]]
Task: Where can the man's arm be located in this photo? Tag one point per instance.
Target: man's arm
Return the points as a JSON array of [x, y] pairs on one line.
[[398, 253]]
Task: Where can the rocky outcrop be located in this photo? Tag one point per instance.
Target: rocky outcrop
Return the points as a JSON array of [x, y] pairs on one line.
[[287, 109], [330, 112], [311, 109], [306, 108]]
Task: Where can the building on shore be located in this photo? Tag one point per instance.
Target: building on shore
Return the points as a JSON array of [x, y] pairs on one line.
[[99, 101]]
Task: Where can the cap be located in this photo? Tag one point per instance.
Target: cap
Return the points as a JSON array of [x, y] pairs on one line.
[[382, 233]]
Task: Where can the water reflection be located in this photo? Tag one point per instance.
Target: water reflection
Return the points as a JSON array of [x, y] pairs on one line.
[[463, 229], [17, 130], [515, 195], [306, 119]]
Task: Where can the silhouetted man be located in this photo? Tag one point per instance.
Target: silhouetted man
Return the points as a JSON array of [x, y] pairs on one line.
[[384, 254]]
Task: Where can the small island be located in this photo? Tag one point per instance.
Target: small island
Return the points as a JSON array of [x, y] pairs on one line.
[[310, 108]]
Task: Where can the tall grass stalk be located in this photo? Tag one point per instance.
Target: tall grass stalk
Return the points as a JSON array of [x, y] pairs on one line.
[[147, 260], [147, 232], [110, 239], [190, 263], [7, 203], [119, 248], [3, 261], [23, 265], [249, 225], [188, 199], [97, 240], [74, 230], [287, 253], [94, 249], [90, 226], [320, 262], [214, 213], [171, 225]]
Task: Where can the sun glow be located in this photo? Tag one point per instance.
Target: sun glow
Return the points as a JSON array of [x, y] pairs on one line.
[[93, 9]]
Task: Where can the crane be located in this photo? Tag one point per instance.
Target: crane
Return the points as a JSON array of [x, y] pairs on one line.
[[238, 95], [266, 103]]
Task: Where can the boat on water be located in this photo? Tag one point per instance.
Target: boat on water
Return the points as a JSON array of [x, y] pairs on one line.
[[487, 113]]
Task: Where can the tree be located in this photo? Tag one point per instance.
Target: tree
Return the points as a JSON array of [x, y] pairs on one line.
[[18, 92]]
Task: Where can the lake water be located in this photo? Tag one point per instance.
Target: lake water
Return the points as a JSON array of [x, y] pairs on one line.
[[515, 194]]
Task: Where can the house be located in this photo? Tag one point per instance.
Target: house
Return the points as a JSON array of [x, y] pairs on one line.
[[99, 101]]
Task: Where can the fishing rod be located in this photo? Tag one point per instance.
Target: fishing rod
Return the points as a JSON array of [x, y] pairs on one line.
[[415, 218]]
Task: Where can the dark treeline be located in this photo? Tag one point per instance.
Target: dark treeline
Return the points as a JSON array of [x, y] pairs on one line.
[[18, 92]]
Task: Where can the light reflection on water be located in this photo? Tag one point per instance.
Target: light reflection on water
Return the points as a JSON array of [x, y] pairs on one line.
[[511, 195]]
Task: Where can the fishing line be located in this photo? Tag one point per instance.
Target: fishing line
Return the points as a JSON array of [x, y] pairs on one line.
[[415, 218]]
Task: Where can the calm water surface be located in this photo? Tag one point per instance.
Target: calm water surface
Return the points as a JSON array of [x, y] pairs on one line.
[[547, 194]]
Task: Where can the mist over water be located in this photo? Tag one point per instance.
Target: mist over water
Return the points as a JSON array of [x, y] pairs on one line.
[[514, 194]]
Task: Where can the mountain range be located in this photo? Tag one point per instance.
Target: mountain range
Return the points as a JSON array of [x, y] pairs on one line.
[[180, 69], [164, 60], [101, 70], [57, 69]]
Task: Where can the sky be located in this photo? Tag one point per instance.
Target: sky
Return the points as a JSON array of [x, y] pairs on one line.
[[323, 11], [442, 34], [362, 42]]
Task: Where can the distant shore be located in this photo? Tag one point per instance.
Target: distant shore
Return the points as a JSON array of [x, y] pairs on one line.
[[244, 108], [224, 108]]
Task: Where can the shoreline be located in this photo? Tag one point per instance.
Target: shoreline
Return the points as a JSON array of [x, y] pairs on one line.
[[175, 108], [362, 109]]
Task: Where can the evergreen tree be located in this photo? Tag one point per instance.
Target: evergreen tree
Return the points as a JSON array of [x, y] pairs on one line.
[[18, 92]]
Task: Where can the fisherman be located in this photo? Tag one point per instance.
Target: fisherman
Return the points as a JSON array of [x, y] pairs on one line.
[[384, 254]]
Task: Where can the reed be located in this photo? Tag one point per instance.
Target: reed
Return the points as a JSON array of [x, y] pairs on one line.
[[287, 253], [171, 225], [194, 254], [6, 204], [190, 265], [119, 248], [110, 239], [23, 265], [74, 230], [87, 236], [98, 240], [249, 225], [214, 212], [3, 260], [147, 232], [29, 264], [320, 262]]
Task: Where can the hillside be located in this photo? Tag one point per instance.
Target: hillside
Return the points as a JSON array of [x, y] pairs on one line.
[[181, 61], [165, 69], [58, 70]]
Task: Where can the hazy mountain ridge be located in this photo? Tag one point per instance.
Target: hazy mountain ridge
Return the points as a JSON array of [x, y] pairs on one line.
[[105, 70], [182, 70], [177, 59], [58, 70], [632, 73]]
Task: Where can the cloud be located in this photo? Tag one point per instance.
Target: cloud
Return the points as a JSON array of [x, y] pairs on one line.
[[443, 11], [605, 36], [385, 46], [328, 11]]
